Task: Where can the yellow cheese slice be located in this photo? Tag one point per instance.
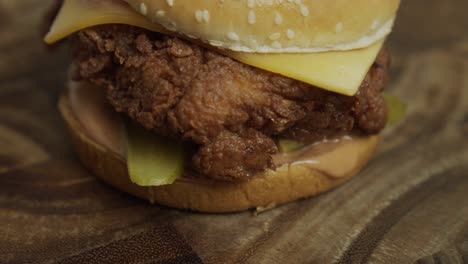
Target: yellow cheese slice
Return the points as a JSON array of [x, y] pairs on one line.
[[341, 72], [337, 71]]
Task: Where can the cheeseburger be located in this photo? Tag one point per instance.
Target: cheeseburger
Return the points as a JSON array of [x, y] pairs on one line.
[[220, 106]]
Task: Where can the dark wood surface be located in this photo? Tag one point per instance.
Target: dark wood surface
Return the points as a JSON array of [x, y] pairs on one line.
[[410, 204]]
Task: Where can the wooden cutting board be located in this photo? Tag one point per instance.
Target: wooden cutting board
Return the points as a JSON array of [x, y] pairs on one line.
[[409, 204]]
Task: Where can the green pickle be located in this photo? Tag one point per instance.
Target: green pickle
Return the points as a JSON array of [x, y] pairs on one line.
[[396, 109], [396, 112], [152, 160], [287, 145]]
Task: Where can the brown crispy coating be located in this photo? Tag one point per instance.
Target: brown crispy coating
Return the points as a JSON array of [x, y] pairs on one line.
[[230, 110]]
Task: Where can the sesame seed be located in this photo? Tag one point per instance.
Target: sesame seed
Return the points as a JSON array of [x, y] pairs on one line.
[[251, 3], [304, 10], [278, 19], [375, 24], [275, 36], [160, 13], [170, 2], [233, 36], [215, 43], [199, 16], [143, 9], [171, 25], [251, 17], [206, 16], [254, 44], [290, 33], [202, 16], [339, 27], [276, 45]]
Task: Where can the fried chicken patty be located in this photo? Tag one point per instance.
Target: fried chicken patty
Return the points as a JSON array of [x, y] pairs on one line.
[[232, 112]]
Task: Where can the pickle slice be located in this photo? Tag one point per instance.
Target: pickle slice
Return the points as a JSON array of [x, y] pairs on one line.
[[287, 145], [396, 109], [152, 160]]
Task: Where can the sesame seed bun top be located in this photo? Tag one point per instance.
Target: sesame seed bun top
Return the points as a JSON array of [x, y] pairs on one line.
[[279, 26]]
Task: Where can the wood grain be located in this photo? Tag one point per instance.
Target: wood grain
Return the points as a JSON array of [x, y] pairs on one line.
[[409, 205]]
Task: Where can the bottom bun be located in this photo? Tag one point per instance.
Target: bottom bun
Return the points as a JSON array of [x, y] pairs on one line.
[[287, 183]]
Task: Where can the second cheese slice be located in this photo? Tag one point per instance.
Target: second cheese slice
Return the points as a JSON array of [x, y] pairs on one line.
[[337, 71]]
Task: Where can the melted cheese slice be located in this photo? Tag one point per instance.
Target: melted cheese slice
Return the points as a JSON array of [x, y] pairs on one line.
[[337, 71]]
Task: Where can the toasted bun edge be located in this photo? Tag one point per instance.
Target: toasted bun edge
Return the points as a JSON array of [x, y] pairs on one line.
[[287, 183], [275, 26]]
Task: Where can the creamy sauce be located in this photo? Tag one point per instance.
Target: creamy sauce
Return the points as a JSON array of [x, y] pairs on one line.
[[97, 116], [336, 158]]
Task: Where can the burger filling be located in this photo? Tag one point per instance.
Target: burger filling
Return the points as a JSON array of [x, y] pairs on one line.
[[230, 114]]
